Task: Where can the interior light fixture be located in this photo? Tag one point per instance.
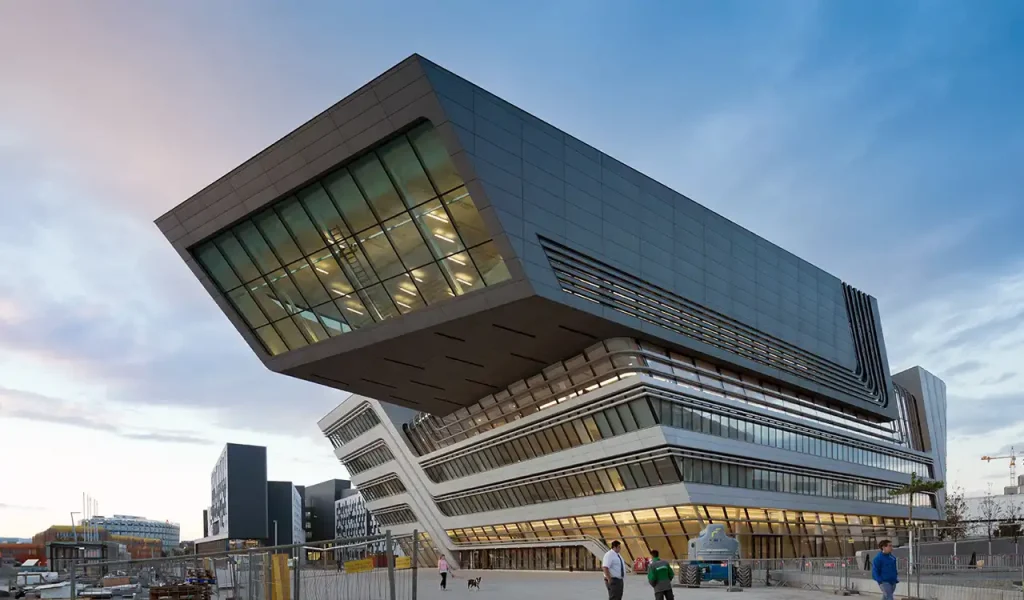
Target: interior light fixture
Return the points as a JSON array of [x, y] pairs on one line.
[[457, 260], [407, 290], [324, 271], [358, 312], [463, 281], [444, 237], [437, 217], [400, 303]]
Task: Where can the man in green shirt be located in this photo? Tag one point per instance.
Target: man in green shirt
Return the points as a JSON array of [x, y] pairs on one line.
[[660, 575]]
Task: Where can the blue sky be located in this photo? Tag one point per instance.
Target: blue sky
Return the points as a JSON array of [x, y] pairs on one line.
[[880, 141]]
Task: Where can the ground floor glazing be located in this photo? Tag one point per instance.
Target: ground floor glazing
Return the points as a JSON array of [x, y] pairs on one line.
[[763, 533]]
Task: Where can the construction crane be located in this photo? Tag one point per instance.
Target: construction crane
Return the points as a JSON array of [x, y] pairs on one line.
[[1013, 464]]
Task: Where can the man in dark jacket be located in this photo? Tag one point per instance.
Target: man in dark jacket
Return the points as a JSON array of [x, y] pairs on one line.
[[883, 570], [660, 575]]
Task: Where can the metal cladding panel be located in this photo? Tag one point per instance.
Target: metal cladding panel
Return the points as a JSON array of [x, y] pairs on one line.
[[563, 204], [930, 392]]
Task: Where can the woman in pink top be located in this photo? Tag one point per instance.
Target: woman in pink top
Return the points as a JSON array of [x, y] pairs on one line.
[[442, 568]]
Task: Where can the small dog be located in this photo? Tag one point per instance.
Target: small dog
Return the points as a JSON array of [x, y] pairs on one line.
[[473, 583]]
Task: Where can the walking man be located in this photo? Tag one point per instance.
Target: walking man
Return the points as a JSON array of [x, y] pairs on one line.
[[883, 570], [614, 571], [660, 576]]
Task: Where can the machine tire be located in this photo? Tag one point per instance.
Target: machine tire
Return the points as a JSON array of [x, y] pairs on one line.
[[691, 576], [744, 577]]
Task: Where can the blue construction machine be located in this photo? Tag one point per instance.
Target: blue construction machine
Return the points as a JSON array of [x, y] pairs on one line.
[[708, 559]]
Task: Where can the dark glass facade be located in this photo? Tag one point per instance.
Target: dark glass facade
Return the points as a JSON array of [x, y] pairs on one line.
[[650, 407], [667, 466], [392, 231], [349, 429], [377, 489], [395, 515], [607, 362], [376, 455]]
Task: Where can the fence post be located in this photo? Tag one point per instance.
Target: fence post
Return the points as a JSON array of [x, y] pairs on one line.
[[74, 588], [299, 552], [415, 562], [389, 552], [249, 585]]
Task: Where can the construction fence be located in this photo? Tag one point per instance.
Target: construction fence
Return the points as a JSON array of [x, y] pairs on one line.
[[370, 568], [933, 578]]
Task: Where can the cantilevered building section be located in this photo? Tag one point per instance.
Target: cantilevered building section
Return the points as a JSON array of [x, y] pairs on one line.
[[551, 350]]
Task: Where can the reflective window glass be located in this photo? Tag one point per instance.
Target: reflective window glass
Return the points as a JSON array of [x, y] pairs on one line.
[[286, 292], [408, 241], [257, 247], [463, 275], [237, 257], [295, 218], [378, 302], [330, 315], [290, 334], [265, 297], [217, 266], [247, 307], [432, 284], [310, 326], [330, 274], [376, 186], [306, 280], [355, 264], [435, 158], [405, 169], [382, 256], [436, 227], [467, 218], [349, 200], [354, 311], [404, 293], [277, 236], [325, 214], [271, 340]]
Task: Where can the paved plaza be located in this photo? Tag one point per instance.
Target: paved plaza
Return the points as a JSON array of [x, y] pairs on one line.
[[510, 585]]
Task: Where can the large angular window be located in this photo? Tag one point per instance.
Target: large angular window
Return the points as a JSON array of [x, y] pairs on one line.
[[391, 232]]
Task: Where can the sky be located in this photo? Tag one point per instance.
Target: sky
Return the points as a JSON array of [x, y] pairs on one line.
[[880, 141]]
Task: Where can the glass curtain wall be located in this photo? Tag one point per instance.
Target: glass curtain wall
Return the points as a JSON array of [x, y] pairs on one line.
[[762, 533], [390, 232]]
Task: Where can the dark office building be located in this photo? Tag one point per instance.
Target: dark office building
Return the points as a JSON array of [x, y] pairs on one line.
[[238, 509], [319, 504]]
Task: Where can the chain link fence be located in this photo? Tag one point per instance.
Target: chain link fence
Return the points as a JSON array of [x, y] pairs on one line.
[[371, 568], [934, 578]]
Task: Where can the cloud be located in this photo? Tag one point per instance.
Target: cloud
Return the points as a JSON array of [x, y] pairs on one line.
[[5, 506], [21, 404], [964, 367]]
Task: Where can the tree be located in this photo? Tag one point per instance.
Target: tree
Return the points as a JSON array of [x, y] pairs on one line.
[[910, 490], [991, 512], [1011, 524], [953, 525]]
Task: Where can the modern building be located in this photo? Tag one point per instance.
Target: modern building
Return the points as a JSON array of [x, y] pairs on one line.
[[284, 514], [135, 546], [551, 350], [320, 500], [238, 499], [168, 533]]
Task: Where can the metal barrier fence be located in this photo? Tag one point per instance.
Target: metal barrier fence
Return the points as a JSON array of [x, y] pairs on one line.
[[934, 578], [370, 568]]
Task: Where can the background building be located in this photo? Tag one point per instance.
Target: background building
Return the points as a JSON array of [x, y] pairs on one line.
[[565, 351], [284, 514], [320, 499], [136, 547], [238, 498], [168, 533]]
